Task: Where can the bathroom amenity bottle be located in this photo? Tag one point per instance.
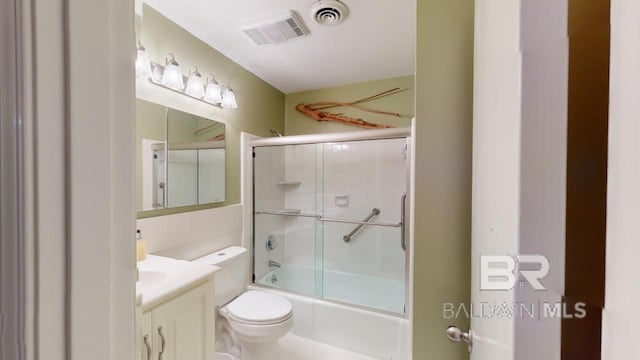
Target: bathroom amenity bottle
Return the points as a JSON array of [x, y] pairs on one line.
[[141, 246]]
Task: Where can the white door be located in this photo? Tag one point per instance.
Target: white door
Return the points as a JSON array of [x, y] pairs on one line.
[[519, 173], [495, 167]]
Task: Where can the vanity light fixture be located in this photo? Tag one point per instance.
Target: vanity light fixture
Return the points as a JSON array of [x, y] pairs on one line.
[[229, 99], [172, 76], [143, 65], [195, 84], [212, 94]]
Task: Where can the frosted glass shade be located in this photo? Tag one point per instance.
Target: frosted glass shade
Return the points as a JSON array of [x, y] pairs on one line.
[[195, 86], [172, 77], [143, 65], [212, 94], [157, 73], [229, 99]]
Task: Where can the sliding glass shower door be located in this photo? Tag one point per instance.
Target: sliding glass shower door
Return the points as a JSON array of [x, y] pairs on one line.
[[329, 221]]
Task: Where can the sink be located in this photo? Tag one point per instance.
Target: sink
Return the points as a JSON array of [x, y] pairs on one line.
[[160, 278], [151, 280]]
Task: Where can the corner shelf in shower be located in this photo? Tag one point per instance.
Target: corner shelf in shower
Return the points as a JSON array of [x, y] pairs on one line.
[[288, 183]]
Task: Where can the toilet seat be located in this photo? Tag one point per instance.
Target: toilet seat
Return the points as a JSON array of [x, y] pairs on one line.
[[259, 308]]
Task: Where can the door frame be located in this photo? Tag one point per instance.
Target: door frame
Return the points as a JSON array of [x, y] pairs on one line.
[[77, 82], [12, 259]]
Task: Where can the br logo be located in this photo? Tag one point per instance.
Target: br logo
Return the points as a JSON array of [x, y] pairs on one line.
[[499, 272]]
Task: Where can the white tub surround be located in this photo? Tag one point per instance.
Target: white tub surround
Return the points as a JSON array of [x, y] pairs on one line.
[[347, 327]]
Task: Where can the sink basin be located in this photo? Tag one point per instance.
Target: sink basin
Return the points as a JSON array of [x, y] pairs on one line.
[[160, 278], [151, 280]]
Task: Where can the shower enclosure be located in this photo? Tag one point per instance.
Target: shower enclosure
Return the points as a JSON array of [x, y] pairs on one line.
[[330, 217]]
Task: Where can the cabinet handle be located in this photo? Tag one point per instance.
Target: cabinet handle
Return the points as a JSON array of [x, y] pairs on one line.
[[146, 342], [162, 342]]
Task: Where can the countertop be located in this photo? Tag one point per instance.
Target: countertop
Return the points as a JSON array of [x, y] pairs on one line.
[[162, 278]]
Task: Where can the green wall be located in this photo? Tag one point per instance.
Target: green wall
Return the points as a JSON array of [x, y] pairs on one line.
[[444, 113], [260, 105], [402, 103]]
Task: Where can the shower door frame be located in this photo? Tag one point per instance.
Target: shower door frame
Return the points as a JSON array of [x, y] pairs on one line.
[[248, 175]]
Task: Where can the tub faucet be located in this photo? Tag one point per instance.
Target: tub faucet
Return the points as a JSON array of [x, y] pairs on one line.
[[273, 264]]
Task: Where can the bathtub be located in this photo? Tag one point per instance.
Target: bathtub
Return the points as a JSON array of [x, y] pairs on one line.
[[371, 333], [377, 293]]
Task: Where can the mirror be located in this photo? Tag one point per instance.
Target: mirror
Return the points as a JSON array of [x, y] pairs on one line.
[[195, 171]]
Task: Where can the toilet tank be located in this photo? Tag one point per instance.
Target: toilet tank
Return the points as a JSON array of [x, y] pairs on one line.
[[233, 278]]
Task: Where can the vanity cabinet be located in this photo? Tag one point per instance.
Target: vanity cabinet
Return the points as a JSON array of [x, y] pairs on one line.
[[181, 328]]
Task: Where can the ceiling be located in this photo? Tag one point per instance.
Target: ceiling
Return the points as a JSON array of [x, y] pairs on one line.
[[376, 41]]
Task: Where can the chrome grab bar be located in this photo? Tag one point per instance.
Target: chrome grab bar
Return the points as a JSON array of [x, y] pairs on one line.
[[320, 218], [359, 222], [403, 221], [374, 212], [280, 213]]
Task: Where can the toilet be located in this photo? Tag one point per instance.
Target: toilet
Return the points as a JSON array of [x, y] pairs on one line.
[[257, 319]]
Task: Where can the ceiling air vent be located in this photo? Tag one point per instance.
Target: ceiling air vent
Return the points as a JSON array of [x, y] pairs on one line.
[[329, 12], [276, 29]]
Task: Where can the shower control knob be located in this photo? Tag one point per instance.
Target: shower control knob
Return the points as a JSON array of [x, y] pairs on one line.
[[456, 335], [272, 243]]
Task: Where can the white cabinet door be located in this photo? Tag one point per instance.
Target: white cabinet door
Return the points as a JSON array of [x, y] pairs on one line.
[[182, 328]]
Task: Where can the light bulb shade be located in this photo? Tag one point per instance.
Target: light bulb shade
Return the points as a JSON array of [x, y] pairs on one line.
[[195, 86], [229, 99], [157, 73], [172, 76], [213, 94], [143, 65]]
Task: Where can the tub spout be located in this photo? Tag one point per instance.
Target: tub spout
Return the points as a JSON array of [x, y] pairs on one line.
[[274, 264]]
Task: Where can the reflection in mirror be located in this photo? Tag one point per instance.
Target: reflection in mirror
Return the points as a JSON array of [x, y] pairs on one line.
[[195, 171]]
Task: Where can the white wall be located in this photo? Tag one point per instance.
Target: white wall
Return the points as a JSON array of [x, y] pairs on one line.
[[621, 316], [193, 234]]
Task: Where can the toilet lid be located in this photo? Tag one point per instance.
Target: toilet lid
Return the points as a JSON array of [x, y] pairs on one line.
[[260, 307]]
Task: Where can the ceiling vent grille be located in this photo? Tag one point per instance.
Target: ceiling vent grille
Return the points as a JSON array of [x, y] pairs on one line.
[[329, 12], [276, 29]]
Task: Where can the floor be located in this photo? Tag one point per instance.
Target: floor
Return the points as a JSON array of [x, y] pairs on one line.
[[294, 347]]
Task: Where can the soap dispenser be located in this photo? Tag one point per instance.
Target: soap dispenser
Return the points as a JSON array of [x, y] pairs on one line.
[[141, 246]]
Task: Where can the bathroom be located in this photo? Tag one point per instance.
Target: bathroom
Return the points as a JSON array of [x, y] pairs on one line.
[[511, 138], [283, 204]]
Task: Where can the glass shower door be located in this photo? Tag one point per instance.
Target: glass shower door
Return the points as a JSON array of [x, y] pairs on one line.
[[286, 254], [328, 221], [364, 260]]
